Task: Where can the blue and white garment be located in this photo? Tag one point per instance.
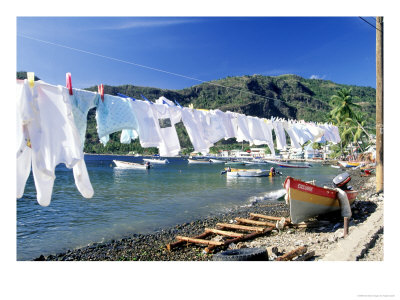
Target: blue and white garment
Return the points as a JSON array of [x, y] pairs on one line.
[[114, 114], [127, 135], [81, 102]]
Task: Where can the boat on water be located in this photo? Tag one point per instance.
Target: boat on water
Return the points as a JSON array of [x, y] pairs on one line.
[[307, 200], [217, 161], [349, 164], [235, 163], [246, 172], [198, 161], [285, 165], [157, 161], [255, 162], [131, 165]]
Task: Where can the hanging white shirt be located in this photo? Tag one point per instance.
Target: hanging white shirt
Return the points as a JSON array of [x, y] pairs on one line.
[[166, 117], [149, 136], [293, 137], [267, 127], [255, 130], [54, 139], [242, 133], [280, 134], [194, 121]]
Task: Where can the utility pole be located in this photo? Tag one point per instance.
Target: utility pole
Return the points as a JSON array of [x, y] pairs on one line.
[[379, 104]]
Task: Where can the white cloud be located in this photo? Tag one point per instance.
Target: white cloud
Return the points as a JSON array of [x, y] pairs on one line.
[[317, 77]]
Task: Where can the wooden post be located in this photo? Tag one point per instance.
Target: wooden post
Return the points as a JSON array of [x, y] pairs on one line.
[[345, 226], [379, 104]]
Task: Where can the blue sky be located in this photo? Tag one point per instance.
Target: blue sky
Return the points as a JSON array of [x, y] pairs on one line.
[[341, 49]]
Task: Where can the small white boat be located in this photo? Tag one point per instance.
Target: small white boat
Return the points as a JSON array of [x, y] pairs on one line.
[[131, 165], [198, 161], [246, 172], [255, 162], [156, 161], [217, 161]]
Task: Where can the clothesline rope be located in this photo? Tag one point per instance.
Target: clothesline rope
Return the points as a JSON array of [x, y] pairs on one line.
[[147, 67]]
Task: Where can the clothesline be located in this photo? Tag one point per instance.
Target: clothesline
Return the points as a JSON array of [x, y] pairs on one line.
[[52, 121]]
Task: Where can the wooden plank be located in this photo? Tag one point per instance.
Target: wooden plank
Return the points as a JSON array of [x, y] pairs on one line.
[[240, 239], [290, 255], [199, 241], [240, 227], [268, 217], [253, 222], [179, 243], [223, 232]]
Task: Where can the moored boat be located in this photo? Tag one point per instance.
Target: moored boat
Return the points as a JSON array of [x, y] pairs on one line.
[[307, 200], [349, 164], [157, 161], [284, 165], [217, 161], [235, 163], [246, 172], [198, 161], [131, 165]]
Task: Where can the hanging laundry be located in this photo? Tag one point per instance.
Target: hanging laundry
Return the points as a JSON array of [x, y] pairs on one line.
[[255, 130], [127, 135], [316, 132], [81, 102], [54, 139], [294, 142], [194, 121], [214, 127], [242, 133], [166, 117], [267, 127], [114, 114], [280, 134], [226, 121]]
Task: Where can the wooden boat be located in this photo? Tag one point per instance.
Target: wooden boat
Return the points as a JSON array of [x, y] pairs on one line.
[[198, 161], [156, 161], [217, 161], [307, 200], [131, 165], [246, 172], [349, 164]]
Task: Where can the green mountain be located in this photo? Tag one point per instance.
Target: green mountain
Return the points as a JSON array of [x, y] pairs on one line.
[[286, 96]]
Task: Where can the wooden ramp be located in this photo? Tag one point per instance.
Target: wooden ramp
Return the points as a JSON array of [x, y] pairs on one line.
[[244, 229]]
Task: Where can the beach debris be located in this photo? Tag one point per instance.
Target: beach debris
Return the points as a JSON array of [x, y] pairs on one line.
[[292, 254], [306, 256], [229, 233]]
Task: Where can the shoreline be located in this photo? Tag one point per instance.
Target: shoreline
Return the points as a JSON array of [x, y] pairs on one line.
[[152, 247]]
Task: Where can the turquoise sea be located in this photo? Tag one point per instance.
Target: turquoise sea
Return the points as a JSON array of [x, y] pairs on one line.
[[130, 201]]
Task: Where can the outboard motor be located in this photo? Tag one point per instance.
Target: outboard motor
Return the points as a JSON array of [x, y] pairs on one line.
[[342, 180]]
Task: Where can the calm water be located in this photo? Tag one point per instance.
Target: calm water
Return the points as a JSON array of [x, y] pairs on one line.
[[137, 201]]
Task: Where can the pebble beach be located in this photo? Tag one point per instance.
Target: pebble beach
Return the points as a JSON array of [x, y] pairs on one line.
[[322, 237]]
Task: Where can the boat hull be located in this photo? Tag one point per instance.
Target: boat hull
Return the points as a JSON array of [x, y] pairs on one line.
[[217, 161], [349, 164], [247, 173], [198, 161], [156, 161], [307, 200], [129, 165]]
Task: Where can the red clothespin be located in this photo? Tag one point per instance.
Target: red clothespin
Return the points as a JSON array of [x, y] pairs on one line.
[[100, 89], [69, 83]]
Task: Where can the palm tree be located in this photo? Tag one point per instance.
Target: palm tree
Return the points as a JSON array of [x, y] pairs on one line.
[[342, 115], [343, 105]]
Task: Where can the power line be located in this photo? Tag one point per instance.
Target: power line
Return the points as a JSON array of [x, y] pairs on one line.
[[369, 23], [146, 67]]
